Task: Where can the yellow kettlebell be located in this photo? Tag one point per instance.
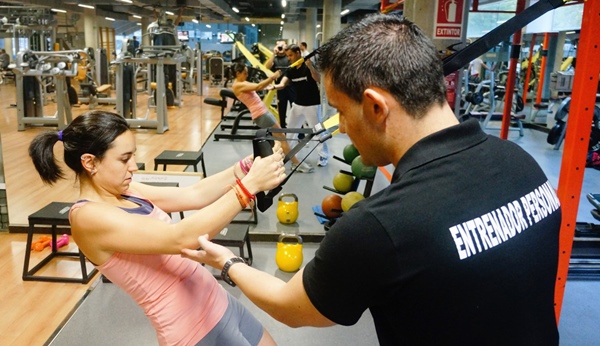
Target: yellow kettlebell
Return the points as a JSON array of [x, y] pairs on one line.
[[287, 212], [289, 252]]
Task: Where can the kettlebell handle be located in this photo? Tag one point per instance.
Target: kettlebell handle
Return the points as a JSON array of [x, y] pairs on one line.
[[284, 195], [296, 237]]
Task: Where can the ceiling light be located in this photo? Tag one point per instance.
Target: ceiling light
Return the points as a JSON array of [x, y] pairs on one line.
[[254, 25], [283, 3], [136, 16], [208, 26], [85, 6], [235, 9], [247, 19], [127, 1], [344, 12], [282, 22], [108, 18], [282, 15], [318, 26], [195, 20], [140, 24], [57, 10], [169, 13]]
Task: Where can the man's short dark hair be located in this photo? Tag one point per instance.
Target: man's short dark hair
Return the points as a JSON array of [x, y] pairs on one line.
[[294, 48], [303, 44], [388, 52]]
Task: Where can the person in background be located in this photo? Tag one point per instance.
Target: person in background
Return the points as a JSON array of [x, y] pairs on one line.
[[246, 92], [303, 49], [136, 45], [304, 79], [475, 66], [285, 97], [480, 272], [124, 229], [4, 59]]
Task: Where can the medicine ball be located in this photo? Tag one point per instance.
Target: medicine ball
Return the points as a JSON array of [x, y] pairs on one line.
[[332, 206], [362, 171], [350, 152], [350, 199], [343, 182]]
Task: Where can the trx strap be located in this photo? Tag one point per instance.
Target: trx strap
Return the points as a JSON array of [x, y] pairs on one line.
[[461, 58], [263, 142], [263, 146]]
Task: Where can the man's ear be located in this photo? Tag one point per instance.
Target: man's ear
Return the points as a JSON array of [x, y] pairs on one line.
[[375, 105]]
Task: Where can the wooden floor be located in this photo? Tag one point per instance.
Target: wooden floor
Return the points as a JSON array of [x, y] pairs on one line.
[[30, 311]]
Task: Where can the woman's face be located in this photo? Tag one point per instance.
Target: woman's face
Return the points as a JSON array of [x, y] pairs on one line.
[[243, 75], [115, 170]]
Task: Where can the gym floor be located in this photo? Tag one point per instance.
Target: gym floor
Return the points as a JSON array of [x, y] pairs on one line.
[[108, 316]]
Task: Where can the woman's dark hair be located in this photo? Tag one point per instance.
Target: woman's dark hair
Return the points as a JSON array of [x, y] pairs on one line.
[[90, 133], [238, 67], [388, 52]]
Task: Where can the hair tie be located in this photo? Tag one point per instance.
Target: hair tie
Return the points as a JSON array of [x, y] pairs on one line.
[[60, 135]]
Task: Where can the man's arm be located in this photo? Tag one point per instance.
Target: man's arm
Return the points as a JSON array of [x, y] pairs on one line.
[[286, 302], [282, 83], [269, 63], [313, 71]]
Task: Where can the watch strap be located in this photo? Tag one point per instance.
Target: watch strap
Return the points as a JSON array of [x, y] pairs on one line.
[[225, 270]]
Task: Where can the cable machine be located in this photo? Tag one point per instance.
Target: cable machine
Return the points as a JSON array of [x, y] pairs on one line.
[[30, 69]]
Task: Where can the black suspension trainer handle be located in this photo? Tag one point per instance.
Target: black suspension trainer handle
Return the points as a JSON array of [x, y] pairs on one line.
[[262, 146]]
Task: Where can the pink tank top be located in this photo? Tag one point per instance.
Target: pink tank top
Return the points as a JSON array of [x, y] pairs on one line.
[[253, 102], [180, 297]]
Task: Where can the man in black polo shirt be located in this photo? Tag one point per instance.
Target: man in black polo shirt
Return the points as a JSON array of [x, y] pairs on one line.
[[303, 78], [460, 249]]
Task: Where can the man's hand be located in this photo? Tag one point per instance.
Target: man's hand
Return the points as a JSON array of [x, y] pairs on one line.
[[210, 253]]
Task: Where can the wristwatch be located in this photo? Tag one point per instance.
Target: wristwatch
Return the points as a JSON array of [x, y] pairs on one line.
[[225, 271]]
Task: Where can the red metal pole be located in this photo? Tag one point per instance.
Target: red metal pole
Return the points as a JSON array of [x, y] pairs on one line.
[[576, 140], [529, 67], [515, 53], [543, 54]]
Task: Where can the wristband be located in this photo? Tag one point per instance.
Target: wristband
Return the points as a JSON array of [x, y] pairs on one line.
[[245, 190], [244, 201], [225, 271]]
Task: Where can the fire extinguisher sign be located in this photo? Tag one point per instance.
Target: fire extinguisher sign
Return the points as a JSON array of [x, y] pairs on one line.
[[449, 18]]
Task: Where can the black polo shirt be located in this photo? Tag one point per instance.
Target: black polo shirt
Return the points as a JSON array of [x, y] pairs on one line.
[[307, 90], [461, 248]]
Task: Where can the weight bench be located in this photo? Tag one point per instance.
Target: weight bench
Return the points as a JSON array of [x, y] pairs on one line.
[[536, 109], [54, 214], [235, 235], [175, 157], [517, 119]]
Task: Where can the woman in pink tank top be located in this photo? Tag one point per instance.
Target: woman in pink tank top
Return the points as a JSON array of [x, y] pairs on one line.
[[124, 229], [245, 91]]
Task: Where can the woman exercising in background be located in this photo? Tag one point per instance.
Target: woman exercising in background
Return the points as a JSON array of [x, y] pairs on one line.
[[124, 229], [246, 92]]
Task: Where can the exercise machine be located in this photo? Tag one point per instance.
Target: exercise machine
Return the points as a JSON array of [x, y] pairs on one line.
[[93, 77], [163, 61], [31, 68]]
